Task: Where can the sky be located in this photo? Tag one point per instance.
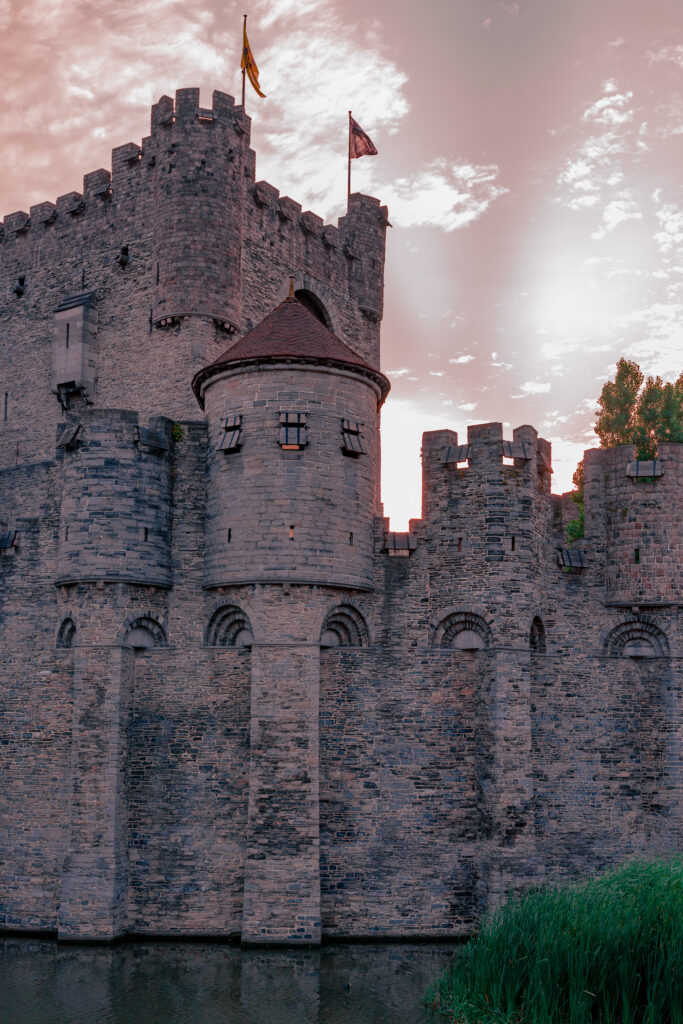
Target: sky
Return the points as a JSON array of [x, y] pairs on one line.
[[530, 154]]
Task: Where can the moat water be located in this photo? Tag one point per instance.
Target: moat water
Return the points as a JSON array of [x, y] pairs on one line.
[[42, 982]]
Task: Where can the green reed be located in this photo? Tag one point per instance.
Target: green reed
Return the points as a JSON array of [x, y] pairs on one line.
[[608, 951]]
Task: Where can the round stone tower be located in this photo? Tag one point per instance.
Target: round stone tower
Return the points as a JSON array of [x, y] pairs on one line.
[[294, 458], [115, 521], [293, 416], [198, 159]]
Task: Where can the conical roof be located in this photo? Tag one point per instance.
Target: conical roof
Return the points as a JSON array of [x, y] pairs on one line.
[[290, 332]]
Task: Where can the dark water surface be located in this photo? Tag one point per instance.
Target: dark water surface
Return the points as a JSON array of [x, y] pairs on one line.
[[42, 982]]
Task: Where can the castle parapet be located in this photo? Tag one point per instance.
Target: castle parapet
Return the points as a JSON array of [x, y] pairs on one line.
[[634, 517], [115, 521]]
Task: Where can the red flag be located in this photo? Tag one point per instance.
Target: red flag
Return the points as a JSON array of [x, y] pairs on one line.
[[360, 143]]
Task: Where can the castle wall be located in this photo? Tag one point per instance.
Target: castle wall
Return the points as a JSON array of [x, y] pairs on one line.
[[35, 763], [606, 754], [403, 745], [188, 779]]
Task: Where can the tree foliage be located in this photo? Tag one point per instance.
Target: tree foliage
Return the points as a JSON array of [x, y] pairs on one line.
[[632, 412], [643, 415]]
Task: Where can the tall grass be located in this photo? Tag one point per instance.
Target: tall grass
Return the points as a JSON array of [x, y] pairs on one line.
[[609, 951]]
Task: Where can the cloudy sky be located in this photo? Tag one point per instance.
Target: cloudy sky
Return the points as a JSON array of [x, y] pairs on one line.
[[530, 154]]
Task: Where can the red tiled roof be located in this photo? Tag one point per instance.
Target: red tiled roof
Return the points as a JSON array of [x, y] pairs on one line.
[[290, 331]]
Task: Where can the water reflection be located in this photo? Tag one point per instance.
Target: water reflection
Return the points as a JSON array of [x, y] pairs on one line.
[[186, 983]]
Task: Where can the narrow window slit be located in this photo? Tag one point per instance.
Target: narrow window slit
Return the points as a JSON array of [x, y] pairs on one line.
[[636, 556]]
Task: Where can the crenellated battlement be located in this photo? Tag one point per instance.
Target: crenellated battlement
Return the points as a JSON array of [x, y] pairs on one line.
[[486, 451], [169, 122]]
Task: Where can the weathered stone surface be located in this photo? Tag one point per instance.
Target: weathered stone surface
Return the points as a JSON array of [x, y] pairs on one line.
[[232, 702]]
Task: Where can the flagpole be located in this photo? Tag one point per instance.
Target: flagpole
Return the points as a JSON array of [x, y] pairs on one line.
[[348, 187], [244, 70]]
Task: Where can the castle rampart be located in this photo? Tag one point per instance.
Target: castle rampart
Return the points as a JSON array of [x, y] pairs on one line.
[[233, 702]]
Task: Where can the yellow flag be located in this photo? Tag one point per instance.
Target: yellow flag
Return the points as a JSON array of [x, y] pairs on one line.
[[249, 64]]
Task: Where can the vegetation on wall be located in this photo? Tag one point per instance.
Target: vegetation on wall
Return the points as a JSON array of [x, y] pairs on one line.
[[608, 951], [632, 410]]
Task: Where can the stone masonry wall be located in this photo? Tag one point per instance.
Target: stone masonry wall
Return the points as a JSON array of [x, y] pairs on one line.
[[182, 207]]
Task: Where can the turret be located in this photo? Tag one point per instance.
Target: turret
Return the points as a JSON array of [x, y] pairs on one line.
[[632, 514], [293, 419], [363, 231], [115, 520], [199, 156]]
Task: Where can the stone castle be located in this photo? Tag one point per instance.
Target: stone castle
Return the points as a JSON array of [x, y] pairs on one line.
[[233, 702]]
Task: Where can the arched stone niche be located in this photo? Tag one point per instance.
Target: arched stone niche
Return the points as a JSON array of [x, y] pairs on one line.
[[462, 631], [638, 640], [229, 626], [344, 626], [143, 633]]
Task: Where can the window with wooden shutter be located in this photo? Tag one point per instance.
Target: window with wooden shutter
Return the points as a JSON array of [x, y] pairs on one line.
[[351, 439], [231, 439]]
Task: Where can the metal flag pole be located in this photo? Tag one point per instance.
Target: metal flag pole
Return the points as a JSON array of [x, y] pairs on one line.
[[348, 186], [244, 70]]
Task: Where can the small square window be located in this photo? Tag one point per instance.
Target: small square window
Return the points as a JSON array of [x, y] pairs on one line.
[[351, 441], [231, 440], [293, 434]]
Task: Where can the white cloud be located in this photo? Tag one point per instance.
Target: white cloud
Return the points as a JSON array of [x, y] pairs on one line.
[[448, 196], [615, 213], [468, 406], [437, 373], [670, 236], [460, 360], [403, 372], [303, 127], [534, 387], [611, 109], [666, 53], [275, 10]]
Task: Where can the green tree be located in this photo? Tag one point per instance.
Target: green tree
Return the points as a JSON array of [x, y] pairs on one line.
[[632, 412]]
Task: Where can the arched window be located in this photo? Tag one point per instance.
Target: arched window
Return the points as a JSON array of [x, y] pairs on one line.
[[462, 631], [66, 634], [344, 626], [229, 626], [313, 304], [537, 637], [636, 639], [143, 633]]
